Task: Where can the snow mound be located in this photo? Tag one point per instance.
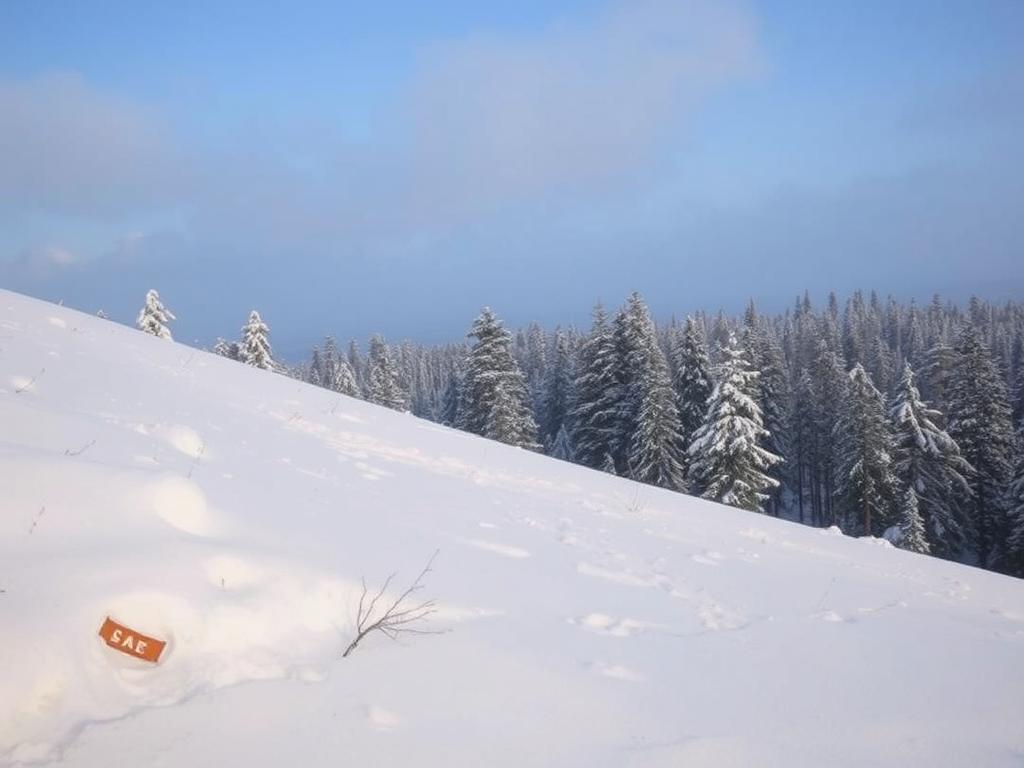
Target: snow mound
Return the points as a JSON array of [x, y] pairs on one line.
[[235, 514]]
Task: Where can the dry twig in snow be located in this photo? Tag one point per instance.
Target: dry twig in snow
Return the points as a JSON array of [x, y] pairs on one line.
[[399, 617]]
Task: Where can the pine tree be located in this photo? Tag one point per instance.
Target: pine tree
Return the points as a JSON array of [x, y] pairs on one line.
[[495, 401], [329, 361], [344, 379], [592, 414], [927, 462], [803, 446], [562, 446], [936, 376], [1013, 562], [647, 446], [866, 486], [980, 424], [154, 317], [691, 380], [383, 386], [557, 389], [830, 390], [449, 415], [655, 450], [502, 418], [727, 463], [911, 525], [772, 395], [315, 372], [254, 349], [1017, 389], [356, 363], [228, 349]]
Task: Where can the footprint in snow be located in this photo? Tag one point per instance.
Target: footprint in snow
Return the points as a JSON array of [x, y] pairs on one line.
[[603, 624], [182, 504], [717, 617], [381, 719], [627, 578], [708, 557], [831, 617], [617, 672], [371, 473], [499, 549]]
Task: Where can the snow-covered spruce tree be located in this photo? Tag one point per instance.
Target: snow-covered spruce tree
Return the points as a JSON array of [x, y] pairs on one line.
[[866, 485], [691, 380], [647, 445], [912, 534], [502, 420], [557, 389], [254, 348], [329, 360], [449, 415], [383, 386], [655, 449], [773, 397], [1013, 562], [225, 348], [154, 317], [727, 463], [928, 464], [937, 374], [494, 398], [803, 445], [356, 363], [562, 447], [344, 381], [980, 423], [315, 371], [830, 389], [1017, 391], [592, 415]]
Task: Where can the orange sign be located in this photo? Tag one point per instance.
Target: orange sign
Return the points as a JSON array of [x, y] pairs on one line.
[[131, 642]]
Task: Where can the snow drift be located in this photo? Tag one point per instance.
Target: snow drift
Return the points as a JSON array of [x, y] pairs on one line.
[[588, 621]]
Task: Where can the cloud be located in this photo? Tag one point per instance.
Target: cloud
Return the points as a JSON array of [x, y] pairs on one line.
[[493, 135], [40, 263], [486, 121], [69, 149], [496, 118]]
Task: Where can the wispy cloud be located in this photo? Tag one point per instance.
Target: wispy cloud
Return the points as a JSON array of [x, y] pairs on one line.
[[494, 118], [39, 263], [67, 148]]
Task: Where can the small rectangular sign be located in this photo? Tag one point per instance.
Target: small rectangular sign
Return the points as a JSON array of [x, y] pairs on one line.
[[129, 641]]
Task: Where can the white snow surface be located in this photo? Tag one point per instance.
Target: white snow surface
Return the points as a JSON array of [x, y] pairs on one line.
[[589, 621]]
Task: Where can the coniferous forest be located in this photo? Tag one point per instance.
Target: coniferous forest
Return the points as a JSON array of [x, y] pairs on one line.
[[882, 418]]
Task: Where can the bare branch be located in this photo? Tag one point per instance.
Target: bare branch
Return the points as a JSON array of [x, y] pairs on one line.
[[397, 619], [195, 459], [80, 451], [35, 519]]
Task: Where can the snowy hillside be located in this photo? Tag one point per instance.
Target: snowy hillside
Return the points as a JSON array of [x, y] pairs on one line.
[[589, 621]]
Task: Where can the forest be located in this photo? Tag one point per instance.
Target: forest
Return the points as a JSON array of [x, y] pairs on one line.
[[885, 419]]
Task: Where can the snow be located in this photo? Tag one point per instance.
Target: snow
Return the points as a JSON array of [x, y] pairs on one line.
[[586, 621]]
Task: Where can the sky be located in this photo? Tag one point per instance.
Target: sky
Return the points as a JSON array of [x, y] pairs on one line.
[[352, 168]]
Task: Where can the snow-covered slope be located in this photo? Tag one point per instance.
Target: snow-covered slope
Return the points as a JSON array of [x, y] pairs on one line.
[[591, 621]]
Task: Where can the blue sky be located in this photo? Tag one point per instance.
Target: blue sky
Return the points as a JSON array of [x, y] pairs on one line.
[[349, 169]]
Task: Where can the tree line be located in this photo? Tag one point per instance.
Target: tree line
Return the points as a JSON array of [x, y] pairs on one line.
[[881, 418]]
